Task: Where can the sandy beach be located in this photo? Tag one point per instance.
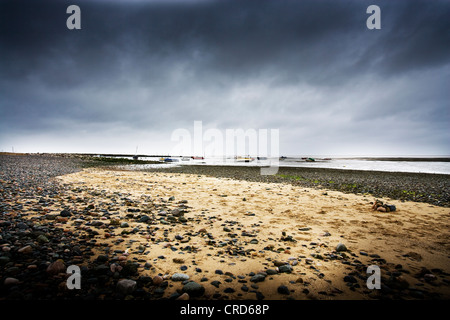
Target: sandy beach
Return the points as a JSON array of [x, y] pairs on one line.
[[241, 239], [275, 223]]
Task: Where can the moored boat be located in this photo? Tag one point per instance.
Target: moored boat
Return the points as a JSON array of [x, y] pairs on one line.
[[244, 159]]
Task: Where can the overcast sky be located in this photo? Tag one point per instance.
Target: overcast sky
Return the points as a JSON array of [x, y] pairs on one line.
[[138, 70]]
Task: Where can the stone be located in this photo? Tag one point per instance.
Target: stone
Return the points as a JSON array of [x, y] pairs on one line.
[[182, 220], [102, 258], [184, 296], [65, 213], [157, 280], [126, 286], [398, 283], [177, 212], [56, 267], [429, 277], [194, 289], [216, 283], [178, 260], [4, 260], [26, 249], [278, 263], [341, 247], [180, 277], [22, 225], [229, 290], [283, 290], [10, 281], [259, 277], [285, 268], [350, 279], [124, 225]]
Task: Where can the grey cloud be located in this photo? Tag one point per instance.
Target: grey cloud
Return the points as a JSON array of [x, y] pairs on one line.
[[310, 68]]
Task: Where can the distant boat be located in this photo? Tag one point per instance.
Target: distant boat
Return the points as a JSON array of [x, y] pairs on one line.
[[261, 158], [185, 159], [282, 157], [310, 160], [198, 158], [171, 160], [244, 159]]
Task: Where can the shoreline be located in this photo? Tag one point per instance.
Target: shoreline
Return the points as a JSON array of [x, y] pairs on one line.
[[235, 239]]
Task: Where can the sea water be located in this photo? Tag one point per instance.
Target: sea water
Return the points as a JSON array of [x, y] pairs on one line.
[[427, 165]]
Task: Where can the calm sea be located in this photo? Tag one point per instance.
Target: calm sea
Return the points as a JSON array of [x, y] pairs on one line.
[[415, 164]]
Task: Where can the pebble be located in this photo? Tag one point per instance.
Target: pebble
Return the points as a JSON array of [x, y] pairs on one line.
[[180, 277], [350, 279], [26, 250], [42, 239], [184, 296], [56, 267], [10, 281], [65, 213], [278, 263], [341, 247], [126, 286], [194, 289], [285, 268], [157, 280], [259, 277], [283, 290]]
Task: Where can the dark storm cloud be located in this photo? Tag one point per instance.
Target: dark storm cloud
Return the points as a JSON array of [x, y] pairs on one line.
[[157, 65]]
